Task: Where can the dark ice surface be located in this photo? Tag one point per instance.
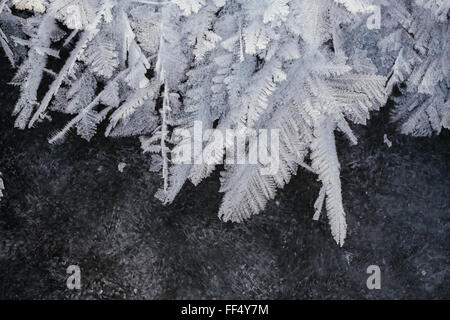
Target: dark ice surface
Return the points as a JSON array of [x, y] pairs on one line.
[[69, 205]]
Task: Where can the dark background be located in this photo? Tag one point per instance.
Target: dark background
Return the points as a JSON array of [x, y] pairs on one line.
[[69, 204]]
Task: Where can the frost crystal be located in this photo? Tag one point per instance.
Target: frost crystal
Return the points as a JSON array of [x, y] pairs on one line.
[[305, 68], [2, 186]]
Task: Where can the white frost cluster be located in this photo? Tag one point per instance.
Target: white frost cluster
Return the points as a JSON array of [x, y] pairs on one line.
[[34, 5], [307, 68]]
